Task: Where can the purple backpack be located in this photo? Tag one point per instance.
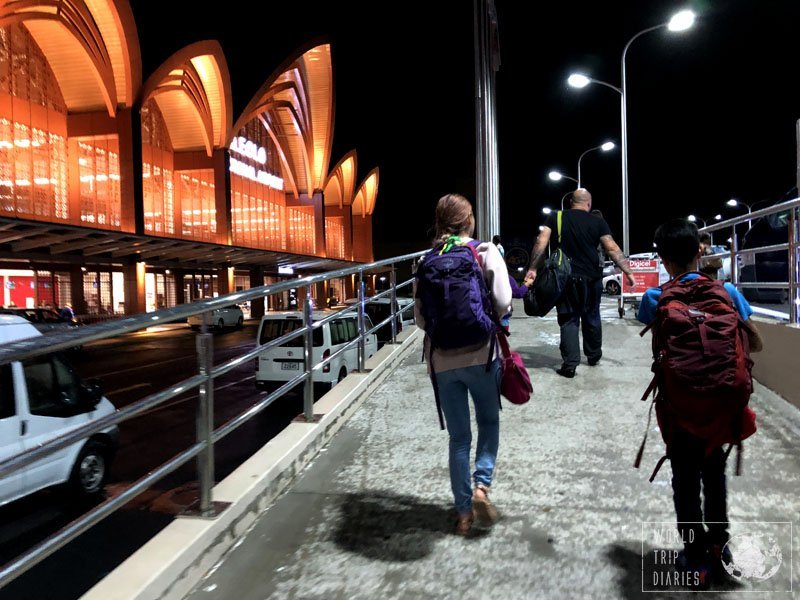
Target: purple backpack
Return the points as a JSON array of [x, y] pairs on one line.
[[455, 304], [454, 299]]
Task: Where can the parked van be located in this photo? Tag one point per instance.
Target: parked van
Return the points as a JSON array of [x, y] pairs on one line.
[[282, 363], [41, 399]]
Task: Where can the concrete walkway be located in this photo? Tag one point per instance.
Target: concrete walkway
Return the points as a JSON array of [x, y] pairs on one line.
[[371, 517]]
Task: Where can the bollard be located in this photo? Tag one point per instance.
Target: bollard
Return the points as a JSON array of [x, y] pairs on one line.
[[361, 340], [308, 355], [393, 284], [205, 418]]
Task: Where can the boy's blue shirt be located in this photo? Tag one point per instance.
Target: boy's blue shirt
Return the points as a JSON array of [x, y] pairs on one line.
[[647, 309]]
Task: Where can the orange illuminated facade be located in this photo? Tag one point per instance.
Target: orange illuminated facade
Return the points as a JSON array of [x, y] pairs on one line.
[[121, 195]]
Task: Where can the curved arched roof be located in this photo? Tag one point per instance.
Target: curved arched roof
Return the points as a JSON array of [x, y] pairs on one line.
[[296, 106], [193, 91], [340, 186], [91, 45], [364, 201]]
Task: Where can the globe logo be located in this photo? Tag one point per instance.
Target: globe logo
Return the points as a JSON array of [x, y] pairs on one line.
[[755, 556]]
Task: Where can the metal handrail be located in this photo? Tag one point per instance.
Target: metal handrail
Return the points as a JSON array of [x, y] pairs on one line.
[[204, 382], [792, 246], [65, 340]]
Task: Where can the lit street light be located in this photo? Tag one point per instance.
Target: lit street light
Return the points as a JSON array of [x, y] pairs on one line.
[[604, 147], [733, 202], [546, 210], [558, 176], [694, 218], [679, 22]]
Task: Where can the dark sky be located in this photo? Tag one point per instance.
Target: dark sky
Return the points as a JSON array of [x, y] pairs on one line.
[[711, 111]]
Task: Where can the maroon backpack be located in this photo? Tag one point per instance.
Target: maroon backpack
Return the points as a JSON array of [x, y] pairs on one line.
[[701, 366]]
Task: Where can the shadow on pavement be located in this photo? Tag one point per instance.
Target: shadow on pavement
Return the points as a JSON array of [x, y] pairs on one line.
[[383, 526]]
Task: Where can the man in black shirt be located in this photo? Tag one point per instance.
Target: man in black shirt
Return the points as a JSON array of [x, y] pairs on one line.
[[579, 308]]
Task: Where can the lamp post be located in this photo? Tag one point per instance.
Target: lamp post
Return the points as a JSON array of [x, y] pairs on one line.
[[694, 218], [679, 22], [608, 146], [558, 176], [733, 202]]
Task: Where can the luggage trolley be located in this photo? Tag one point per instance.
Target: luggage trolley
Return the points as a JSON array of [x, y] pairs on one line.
[[647, 273]]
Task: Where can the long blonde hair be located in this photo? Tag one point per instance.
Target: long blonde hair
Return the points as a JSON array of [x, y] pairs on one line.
[[454, 216]]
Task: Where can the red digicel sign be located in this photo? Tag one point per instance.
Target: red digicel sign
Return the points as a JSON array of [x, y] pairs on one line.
[[645, 273]]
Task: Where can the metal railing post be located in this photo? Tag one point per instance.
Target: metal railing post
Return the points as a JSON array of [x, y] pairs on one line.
[[308, 355], [205, 418], [393, 283], [361, 340], [794, 266], [734, 258]]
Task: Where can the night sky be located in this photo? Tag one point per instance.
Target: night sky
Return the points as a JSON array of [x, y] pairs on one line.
[[711, 111]]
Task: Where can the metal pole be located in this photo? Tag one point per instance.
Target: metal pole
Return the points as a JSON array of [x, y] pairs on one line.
[[308, 351], [393, 295], [794, 267], [734, 257], [361, 350], [624, 115], [205, 418], [480, 160]]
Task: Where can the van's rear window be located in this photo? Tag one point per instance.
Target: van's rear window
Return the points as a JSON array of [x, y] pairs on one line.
[[275, 328]]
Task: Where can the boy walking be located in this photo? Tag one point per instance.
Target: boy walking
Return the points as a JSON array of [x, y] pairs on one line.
[[703, 385]]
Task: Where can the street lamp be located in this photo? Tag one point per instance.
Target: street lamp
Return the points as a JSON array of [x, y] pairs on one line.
[[558, 176], [733, 202], [679, 22], [546, 210], [694, 218], [604, 147]]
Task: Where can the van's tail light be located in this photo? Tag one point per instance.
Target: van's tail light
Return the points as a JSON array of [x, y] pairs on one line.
[[326, 354]]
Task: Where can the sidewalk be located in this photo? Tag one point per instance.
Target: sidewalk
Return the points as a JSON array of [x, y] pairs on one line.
[[371, 517]]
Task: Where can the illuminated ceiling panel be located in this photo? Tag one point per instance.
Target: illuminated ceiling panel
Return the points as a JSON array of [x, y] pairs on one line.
[[183, 121], [209, 71], [367, 194], [192, 88], [297, 103], [344, 175], [72, 67], [116, 24]]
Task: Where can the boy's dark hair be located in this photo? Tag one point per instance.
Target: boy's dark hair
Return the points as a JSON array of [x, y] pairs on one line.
[[496, 240], [678, 241], [705, 238]]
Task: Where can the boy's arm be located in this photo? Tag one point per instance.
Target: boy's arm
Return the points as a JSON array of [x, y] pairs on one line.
[[753, 336]]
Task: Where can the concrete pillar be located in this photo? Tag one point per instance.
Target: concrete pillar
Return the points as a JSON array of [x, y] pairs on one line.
[[180, 297], [257, 280], [134, 288], [129, 130], [76, 290], [225, 281], [222, 196]]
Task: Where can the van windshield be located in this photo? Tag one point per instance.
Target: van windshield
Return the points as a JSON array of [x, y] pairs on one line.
[[275, 328]]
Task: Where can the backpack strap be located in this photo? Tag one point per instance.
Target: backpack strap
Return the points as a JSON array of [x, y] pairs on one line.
[[559, 219], [435, 388]]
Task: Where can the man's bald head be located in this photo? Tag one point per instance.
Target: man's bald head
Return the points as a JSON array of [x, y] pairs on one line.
[[581, 198]]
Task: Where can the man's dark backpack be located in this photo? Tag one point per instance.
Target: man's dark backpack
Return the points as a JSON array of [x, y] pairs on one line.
[[551, 282], [454, 302], [701, 366]]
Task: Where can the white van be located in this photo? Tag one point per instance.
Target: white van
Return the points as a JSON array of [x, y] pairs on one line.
[[40, 399], [282, 363]]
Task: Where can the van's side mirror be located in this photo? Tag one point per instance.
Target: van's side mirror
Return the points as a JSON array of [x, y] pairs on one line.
[[92, 392]]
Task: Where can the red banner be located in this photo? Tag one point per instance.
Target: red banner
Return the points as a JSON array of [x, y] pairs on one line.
[[645, 273]]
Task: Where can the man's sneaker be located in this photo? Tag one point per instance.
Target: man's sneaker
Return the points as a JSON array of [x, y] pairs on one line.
[[566, 372], [593, 362], [696, 571]]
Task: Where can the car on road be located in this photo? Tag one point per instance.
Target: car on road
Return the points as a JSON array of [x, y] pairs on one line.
[[612, 284], [282, 363], [41, 399], [45, 320], [227, 316], [379, 310]]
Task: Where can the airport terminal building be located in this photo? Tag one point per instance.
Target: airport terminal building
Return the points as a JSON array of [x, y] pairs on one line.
[[120, 194]]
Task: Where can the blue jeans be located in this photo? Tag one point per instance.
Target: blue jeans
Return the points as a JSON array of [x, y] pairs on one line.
[[485, 389]]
